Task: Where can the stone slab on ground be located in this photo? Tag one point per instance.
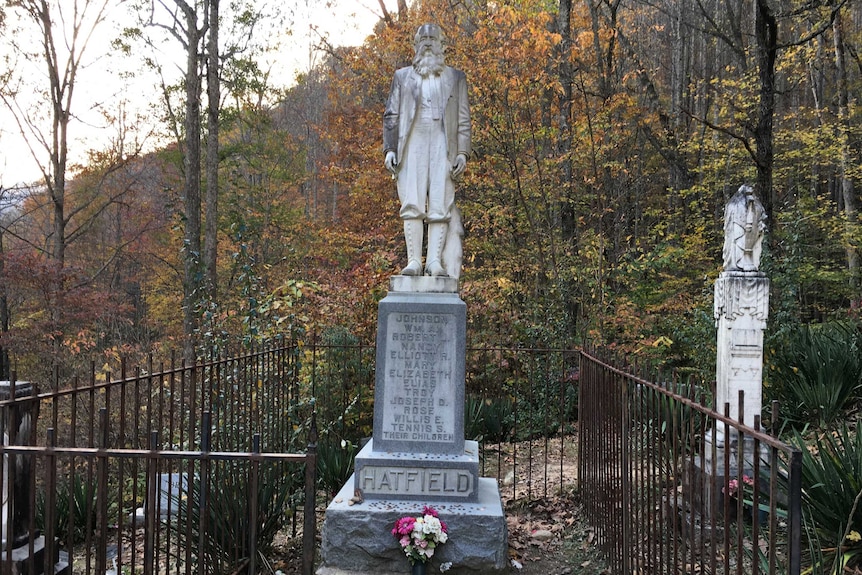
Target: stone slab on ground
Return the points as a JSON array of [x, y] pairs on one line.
[[334, 571], [357, 538], [20, 559], [426, 477]]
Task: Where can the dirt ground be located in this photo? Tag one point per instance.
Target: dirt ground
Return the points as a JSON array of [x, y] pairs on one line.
[[550, 537]]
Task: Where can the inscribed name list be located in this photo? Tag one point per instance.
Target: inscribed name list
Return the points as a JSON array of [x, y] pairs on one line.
[[419, 390]]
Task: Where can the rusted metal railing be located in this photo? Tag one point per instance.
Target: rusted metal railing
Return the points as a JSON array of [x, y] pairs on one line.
[[138, 467], [672, 486], [173, 469]]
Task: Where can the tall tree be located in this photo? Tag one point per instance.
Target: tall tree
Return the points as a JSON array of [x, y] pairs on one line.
[[848, 193], [198, 26], [183, 25], [766, 50], [212, 162], [64, 31]]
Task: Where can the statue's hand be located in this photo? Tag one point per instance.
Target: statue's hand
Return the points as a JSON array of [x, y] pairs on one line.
[[390, 162], [459, 165]]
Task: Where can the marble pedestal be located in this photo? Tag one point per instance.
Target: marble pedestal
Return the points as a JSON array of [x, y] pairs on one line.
[[740, 309]]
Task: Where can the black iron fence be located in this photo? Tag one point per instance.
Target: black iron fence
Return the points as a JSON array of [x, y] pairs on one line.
[[153, 470], [172, 469], [521, 405], [672, 486]]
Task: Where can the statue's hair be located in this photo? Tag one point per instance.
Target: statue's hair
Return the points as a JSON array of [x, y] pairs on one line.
[[428, 27]]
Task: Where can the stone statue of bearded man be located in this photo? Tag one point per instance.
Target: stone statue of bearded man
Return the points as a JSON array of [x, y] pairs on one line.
[[426, 142]]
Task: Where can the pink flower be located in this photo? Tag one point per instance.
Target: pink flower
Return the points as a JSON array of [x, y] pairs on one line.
[[403, 526], [444, 527], [428, 510]]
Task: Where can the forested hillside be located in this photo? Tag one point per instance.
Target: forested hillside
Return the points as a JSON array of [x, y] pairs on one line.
[[607, 137]]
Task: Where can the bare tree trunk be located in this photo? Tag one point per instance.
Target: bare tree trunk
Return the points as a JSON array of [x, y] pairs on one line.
[[851, 224], [766, 42], [566, 75], [61, 88], [212, 162], [602, 72], [192, 191], [4, 317], [679, 176]]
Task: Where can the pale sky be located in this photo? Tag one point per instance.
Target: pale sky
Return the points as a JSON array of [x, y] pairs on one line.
[[104, 81]]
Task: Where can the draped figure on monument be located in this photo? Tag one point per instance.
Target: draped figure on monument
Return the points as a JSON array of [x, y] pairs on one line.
[[744, 223], [426, 142]]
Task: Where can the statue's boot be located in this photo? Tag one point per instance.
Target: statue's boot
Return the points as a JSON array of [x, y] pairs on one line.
[[413, 230], [436, 241]]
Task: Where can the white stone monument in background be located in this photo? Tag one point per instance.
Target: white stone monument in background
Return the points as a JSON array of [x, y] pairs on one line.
[[418, 455], [741, 307]]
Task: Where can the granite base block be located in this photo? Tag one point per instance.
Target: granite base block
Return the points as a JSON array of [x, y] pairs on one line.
[[426, 477], [357, 538]]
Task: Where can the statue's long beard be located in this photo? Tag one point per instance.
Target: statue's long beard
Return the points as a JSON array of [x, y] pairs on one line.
[[428, 63]]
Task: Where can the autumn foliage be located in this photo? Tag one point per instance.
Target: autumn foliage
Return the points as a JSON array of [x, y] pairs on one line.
[[606, 139]]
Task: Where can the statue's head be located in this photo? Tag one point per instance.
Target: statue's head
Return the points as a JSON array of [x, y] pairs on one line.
[[429, 49], [430, 32]]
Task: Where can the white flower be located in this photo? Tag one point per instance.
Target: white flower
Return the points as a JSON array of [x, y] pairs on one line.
[[431, 525]]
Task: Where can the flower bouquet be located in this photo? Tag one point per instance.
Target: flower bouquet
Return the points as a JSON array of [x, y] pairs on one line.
[[740, 491], [420, 536]]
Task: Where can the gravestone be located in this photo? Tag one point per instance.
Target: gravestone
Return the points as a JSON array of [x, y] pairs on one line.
[[173, 489], [18, 424], [741, 307], [418, 455]]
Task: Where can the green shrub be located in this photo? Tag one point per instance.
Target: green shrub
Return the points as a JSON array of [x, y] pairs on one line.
[[226, 541], [491, 419], [339, 372], [816, 373], [831, 482], [74, 509], [334, 464]]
